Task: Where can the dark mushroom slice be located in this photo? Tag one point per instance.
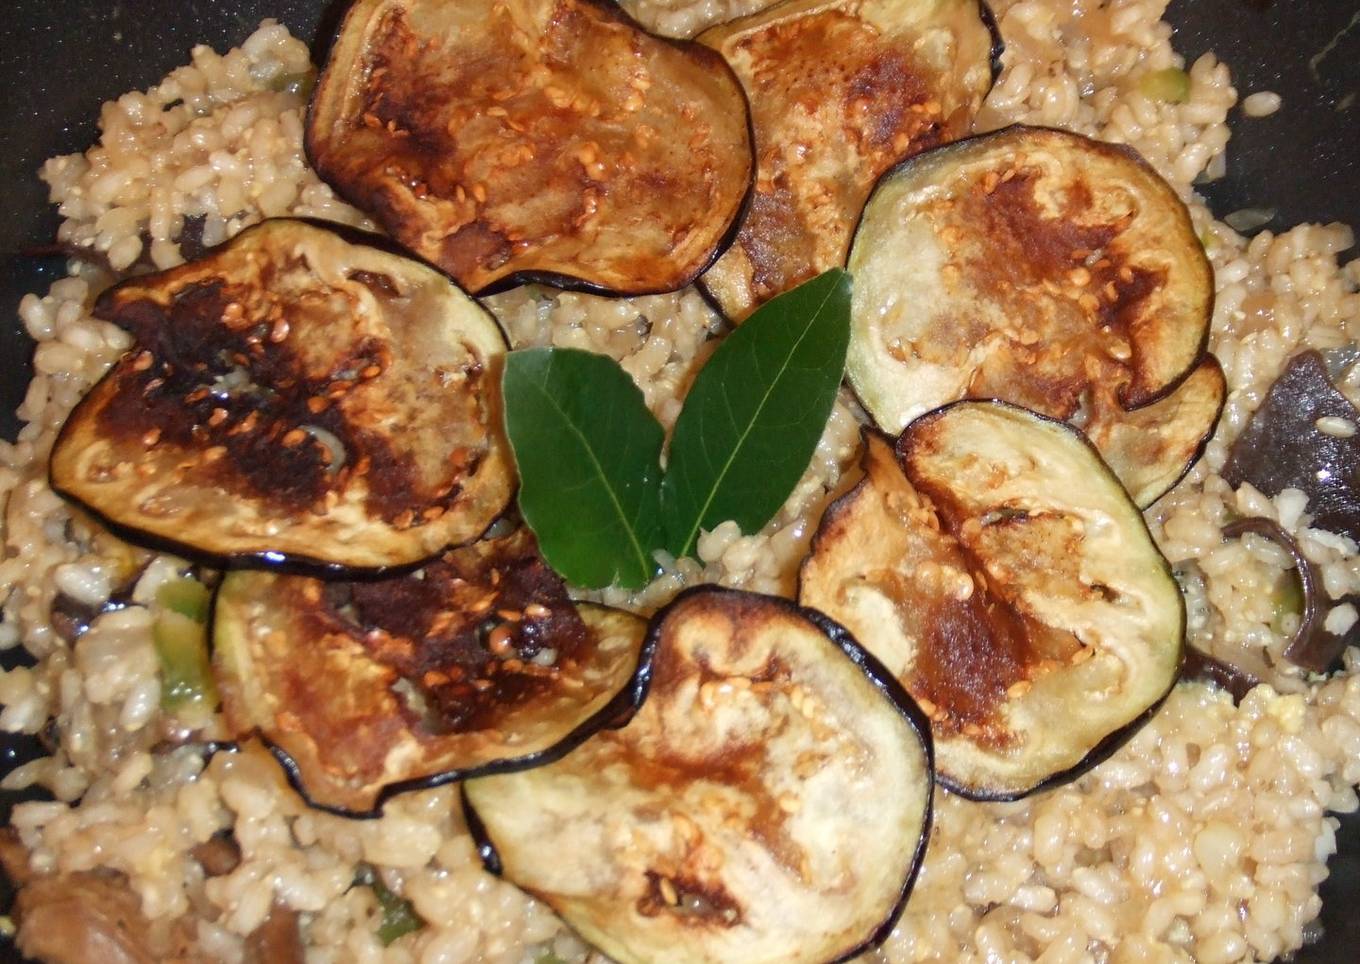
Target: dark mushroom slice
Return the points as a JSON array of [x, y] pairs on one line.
[[1304, 436], [840, 91], [506, 140], [95, 917], [999, 569], [770, 801], [294, 397], [278, 939], [1151, 448], [477, 662], [1031, 265]]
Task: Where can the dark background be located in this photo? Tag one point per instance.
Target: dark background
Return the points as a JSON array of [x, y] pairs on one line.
[[62, 59]]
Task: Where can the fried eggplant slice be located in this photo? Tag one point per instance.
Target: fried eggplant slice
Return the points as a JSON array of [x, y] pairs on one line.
[[840, 91], [1031, 265], [295, 397], [998, 568], [477, 662], [509, 140], [1151, 448], [770, 801]]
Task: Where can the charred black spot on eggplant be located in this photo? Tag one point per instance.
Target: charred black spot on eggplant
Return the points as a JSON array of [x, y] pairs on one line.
[[294, 396], [1039, 267], [477, 662], [1304, 436], [999, 569], [840, 92], [770, 801], [554, 138]]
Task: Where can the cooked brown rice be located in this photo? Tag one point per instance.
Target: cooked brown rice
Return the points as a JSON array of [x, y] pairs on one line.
[[1205, 838]]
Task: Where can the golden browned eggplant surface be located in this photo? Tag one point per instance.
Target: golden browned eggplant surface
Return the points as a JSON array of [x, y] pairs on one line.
[[1046, 269], [503, 138], [478, 660], [998, 568], [768, 803], [294, 396], [840, 91]]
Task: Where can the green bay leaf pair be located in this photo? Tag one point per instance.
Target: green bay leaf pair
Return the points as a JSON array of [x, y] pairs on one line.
[[592, 485]]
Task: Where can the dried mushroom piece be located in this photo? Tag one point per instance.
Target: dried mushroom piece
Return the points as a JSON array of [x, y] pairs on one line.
[[1151, 448], [511, 139], [1035, 266], [770, 801], [477, 662], [1304, 436], [997, 567], [294, 397], [840, 91], [95, 917]]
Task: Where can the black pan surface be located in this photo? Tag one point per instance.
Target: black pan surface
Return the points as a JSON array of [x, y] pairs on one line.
[[65, 57]]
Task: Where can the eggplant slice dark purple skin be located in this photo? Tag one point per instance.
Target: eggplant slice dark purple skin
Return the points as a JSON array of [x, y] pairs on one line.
[[296, 399], [1312, 647], [996, 565], [746, 677], [840, 92], [1046, 269], [1282, 446], [535, 140], [479, 663], [1201, 667]]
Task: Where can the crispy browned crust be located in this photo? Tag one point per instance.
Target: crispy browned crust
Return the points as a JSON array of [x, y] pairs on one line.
[[293, 396], [506, 140], [997, 576], [1069, 280], [736, 702], [478, 662], [840, 92]]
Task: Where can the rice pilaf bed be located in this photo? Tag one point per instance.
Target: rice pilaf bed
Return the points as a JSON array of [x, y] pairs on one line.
[[1204, 838]]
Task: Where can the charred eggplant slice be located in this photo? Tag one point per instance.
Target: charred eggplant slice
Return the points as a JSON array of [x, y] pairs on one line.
[[512, 139], [840, 91], [999, 569], [476, 662], [1035, 266], [294, 396], [770, 801]]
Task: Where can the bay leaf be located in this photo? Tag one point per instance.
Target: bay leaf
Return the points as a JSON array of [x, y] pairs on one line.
[[752, 419], [588, 453]]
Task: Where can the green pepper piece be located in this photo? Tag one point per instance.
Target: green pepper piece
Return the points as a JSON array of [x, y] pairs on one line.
[[299, 83], [399, 917], [186, 675], [1286, 600], [188, 597], [1171, 85]]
